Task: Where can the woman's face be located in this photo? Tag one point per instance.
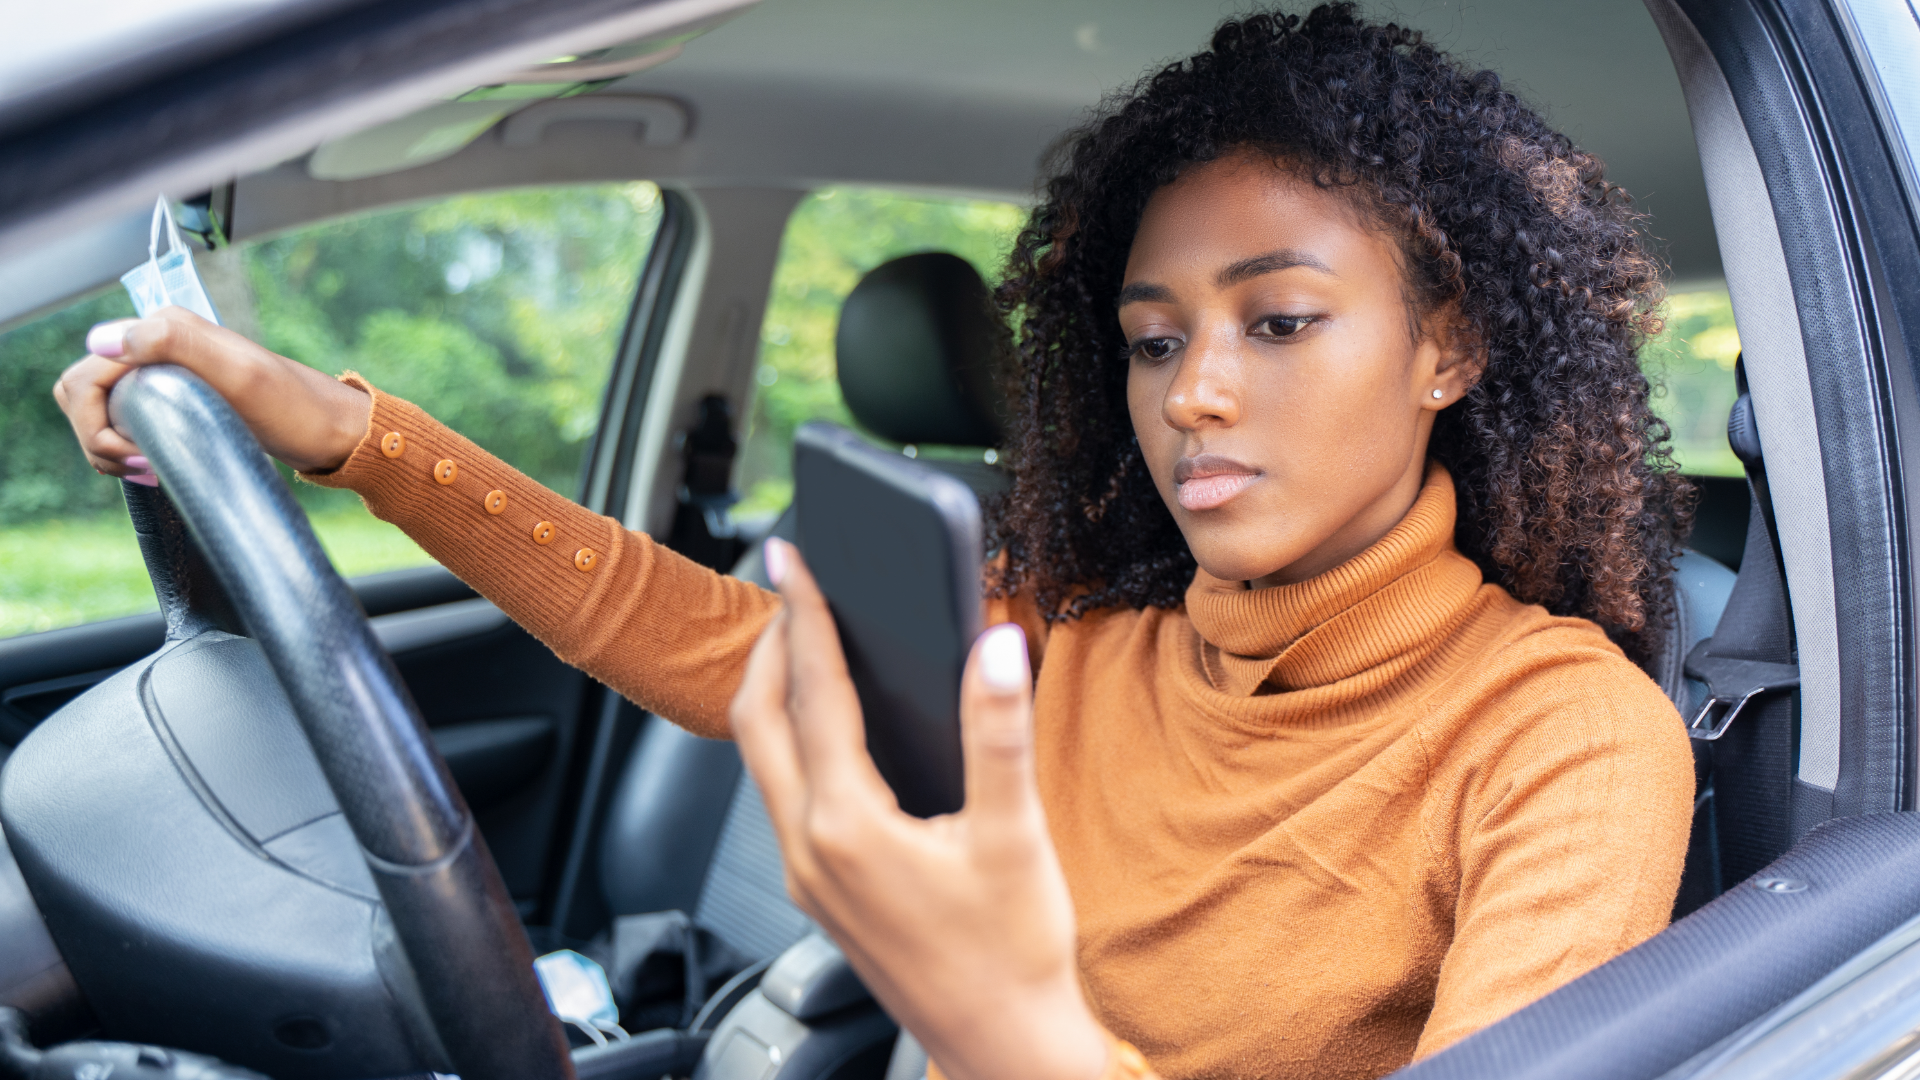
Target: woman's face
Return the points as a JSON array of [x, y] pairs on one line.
[[1280, 390]]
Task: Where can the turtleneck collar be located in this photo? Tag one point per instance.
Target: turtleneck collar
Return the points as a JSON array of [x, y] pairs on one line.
[[1370, 618]]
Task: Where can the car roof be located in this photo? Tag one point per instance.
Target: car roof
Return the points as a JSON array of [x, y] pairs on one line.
[[955, 95], [52, 52], [971, 93]]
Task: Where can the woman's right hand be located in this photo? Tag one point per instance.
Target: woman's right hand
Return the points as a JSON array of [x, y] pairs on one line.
[[301, 416]]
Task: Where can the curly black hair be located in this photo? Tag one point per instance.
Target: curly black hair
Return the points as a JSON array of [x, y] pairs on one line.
[[1568, 496]]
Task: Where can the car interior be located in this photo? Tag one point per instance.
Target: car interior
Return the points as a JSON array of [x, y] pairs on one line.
[[219, 846]]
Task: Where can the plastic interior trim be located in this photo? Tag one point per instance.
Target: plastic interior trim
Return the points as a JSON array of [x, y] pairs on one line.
[[1775, 356], [280, 98]]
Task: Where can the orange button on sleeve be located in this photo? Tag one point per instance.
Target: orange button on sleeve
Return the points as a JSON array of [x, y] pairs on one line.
[[667, 634]]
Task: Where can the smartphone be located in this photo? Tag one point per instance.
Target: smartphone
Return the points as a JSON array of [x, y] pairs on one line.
[[896, 547]]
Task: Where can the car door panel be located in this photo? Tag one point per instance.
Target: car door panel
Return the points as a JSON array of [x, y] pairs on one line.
[[501, 707]]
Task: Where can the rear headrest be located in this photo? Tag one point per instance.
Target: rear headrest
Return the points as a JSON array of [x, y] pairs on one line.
[[916, 349]]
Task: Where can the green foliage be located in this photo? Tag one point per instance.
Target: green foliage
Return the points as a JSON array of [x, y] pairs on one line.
[[1691, 365], [66, 571], [499, 312], [42, 472], [836, 235]]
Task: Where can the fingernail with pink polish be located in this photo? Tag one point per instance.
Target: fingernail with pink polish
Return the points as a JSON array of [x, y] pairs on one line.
[[143, 479], [108, 339], [139, 464], [774, 553], [1003, 657]]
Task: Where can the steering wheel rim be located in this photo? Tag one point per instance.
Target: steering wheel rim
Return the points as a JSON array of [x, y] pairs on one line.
[[449, 907]]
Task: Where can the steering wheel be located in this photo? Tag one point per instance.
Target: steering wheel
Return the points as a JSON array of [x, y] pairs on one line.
[[447, 904]]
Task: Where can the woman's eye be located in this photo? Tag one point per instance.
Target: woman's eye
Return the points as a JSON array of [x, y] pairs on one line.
[[1158, 348], [1282, 325]]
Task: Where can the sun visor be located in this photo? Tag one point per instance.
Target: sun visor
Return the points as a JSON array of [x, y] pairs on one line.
[[444, 128]]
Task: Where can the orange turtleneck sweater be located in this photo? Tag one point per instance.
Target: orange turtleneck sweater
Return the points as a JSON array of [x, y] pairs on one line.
[[1312, 830]]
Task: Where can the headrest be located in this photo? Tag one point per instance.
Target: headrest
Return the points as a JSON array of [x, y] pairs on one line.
[[916, 349]]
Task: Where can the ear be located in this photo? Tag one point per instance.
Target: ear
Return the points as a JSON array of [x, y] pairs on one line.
[[1450, 359]]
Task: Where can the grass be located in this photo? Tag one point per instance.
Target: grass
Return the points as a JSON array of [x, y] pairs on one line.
[[67, 571]]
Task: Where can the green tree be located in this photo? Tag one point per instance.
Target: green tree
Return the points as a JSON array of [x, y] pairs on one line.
[[498, 312], [42, 472], [835, 235]]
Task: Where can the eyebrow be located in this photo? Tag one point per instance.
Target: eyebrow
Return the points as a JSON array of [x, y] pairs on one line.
[[1246, 269], [1270, 263], [1141, 292]]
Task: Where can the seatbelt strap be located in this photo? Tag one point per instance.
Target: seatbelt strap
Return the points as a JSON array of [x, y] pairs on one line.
[[1751, 653], [701, 529]]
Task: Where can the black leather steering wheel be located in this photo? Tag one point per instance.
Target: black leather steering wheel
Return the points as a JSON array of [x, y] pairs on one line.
[[447, 902]]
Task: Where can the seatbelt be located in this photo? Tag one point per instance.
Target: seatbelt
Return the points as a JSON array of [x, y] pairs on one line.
[[1751, 652], [1750, 666], [701, 530]]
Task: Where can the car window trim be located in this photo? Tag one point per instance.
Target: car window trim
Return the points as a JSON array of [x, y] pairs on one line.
[[607, 472]]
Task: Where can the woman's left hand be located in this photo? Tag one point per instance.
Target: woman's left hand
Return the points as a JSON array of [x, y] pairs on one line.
[[960, 925]]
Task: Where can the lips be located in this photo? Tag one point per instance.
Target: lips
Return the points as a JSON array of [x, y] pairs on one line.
[[1207, 481]]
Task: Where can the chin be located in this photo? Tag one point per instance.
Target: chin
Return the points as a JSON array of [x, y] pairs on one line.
[[1227, 560]]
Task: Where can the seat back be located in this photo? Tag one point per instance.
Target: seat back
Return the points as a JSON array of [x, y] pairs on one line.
[[915, 352], [1701, 585]]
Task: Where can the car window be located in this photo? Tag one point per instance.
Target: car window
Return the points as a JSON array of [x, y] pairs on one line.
[[1691, 366], [835, 235], [498, 312]]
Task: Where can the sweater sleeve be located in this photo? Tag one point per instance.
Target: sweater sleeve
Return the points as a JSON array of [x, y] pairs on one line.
[[1569, 845], [668, 634]]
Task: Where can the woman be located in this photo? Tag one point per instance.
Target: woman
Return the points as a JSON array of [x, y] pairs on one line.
[[1307, 744]]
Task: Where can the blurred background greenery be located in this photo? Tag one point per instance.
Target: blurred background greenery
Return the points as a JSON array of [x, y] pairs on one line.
[[834, 236], [1691, 365], [501, 313]]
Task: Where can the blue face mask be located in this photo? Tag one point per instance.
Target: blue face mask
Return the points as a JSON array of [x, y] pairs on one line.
[[167, 279]]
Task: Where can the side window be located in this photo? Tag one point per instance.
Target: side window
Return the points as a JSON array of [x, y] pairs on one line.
[[835, 235], [499, 313], [1691, 365]]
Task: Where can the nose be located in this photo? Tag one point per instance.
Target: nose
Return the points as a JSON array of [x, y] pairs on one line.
[[1205, 389]]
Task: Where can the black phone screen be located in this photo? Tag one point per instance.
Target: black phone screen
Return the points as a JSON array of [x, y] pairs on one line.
[[896, 548]]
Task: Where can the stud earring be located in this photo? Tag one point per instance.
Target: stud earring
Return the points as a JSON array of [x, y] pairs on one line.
[[1438, 394]]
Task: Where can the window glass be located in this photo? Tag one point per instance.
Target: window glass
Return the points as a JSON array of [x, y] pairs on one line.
[[499, 313], [1691, 365], [835, 235]]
